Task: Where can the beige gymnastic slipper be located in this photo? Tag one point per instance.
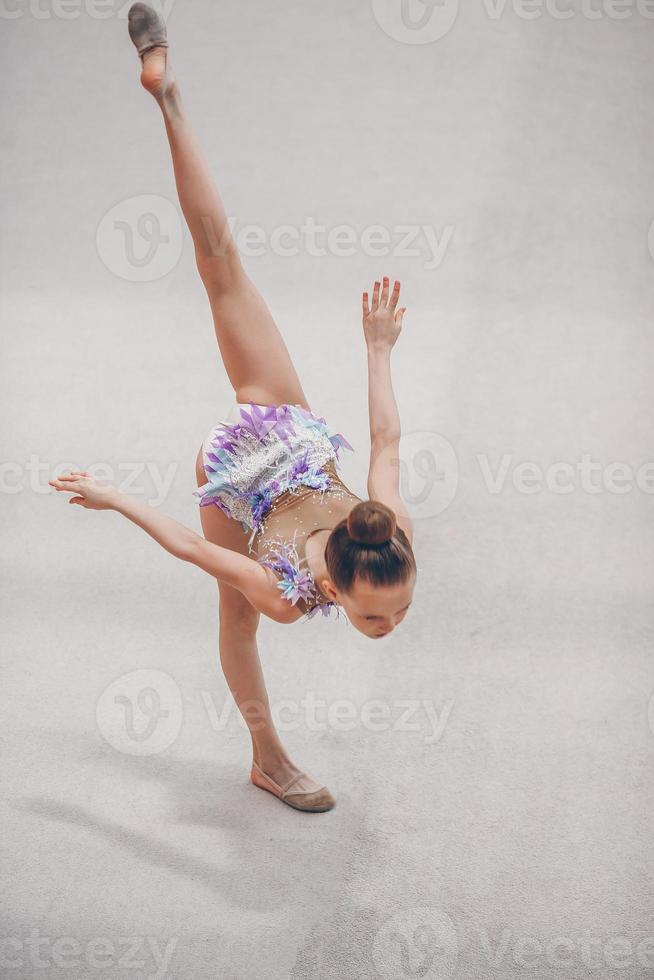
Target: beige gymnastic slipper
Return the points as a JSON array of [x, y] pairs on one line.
[[316, 801], [147, 28]]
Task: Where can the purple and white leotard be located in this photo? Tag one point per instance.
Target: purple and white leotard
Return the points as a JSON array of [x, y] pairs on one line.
[[274, 469]]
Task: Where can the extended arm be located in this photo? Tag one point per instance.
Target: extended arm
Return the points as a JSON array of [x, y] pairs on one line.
[[382, 325], [243, 573], [384, 417]]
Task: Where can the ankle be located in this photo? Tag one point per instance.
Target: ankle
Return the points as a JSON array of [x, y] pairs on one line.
[[169, 101], [271, 757]]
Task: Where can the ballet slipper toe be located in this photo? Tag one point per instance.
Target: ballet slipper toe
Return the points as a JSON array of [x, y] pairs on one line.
[[318, 802], [146, 27], [302, 792]]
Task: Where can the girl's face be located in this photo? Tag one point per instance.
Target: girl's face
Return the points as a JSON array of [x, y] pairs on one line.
[[375, 610]]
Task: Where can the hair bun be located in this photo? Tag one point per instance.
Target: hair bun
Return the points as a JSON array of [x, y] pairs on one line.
[[371, 522]]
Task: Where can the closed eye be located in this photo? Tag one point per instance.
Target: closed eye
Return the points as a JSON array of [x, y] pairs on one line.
[[379, 617]]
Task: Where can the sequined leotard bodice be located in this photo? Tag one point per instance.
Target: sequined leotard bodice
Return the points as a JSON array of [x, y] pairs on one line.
[[281, 541], [275, 471]]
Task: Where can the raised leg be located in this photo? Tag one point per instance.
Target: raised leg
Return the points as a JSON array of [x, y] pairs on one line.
[[253, 350]]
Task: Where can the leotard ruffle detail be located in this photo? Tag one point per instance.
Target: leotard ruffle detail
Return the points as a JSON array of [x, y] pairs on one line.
[[295, 581], [272, 449]]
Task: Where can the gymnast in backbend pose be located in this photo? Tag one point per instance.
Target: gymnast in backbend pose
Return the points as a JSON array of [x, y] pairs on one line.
[[283, 535]]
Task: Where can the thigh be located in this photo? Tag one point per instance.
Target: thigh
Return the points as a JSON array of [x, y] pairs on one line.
[[220, 529], [253, 350]]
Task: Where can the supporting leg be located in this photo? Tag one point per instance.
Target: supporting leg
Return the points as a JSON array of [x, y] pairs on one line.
[[239, 656]]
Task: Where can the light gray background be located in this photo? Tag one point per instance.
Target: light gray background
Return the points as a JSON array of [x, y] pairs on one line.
[[529, 818]]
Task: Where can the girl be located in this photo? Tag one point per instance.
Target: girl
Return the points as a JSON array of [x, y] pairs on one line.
[[268, 484]]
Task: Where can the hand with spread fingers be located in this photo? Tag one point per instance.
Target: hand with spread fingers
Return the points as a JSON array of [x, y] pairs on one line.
[[382, 320], [88, 491]]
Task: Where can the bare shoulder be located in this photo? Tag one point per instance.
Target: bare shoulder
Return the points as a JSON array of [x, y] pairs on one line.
[[272, 603]]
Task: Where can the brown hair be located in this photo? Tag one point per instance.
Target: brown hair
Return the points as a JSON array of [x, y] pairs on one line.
[[369, 544]]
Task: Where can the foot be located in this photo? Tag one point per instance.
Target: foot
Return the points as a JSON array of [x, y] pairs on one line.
[[290, 784], [147, 30]]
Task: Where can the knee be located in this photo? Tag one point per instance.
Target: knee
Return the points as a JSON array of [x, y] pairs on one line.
[[220, 273], [236, 611]]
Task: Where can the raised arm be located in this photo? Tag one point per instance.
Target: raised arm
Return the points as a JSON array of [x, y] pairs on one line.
[[382, 324], [243, 573]]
